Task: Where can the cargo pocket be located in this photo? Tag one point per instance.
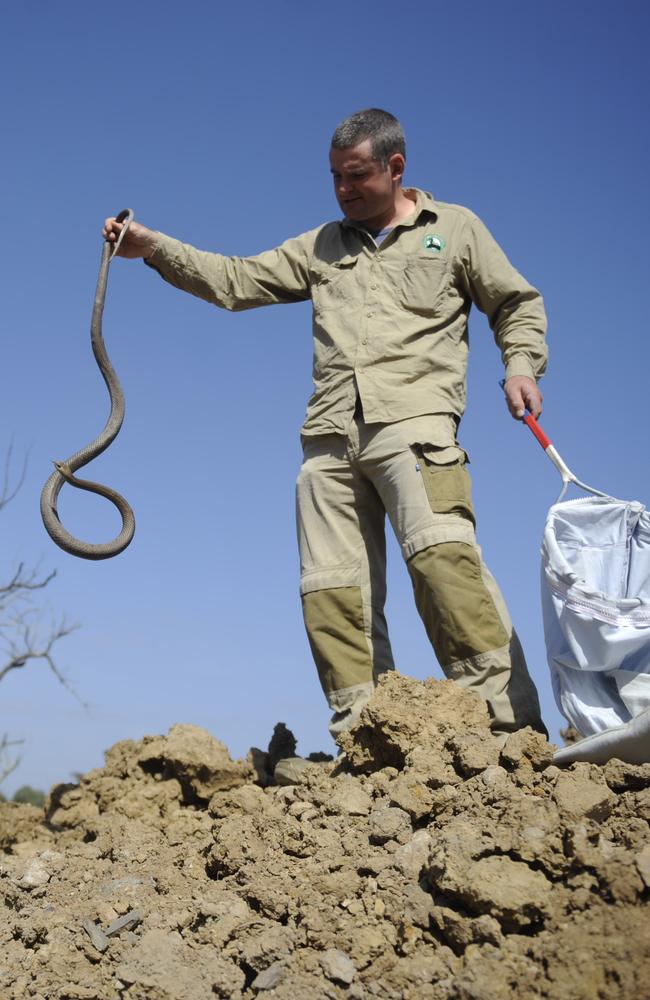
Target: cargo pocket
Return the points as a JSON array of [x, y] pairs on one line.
[[333, 285], [446, 480], [424, 278]]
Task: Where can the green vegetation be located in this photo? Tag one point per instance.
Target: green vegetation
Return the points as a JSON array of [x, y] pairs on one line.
[[30, 796]]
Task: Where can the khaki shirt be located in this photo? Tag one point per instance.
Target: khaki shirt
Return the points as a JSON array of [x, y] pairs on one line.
[[389, 321]]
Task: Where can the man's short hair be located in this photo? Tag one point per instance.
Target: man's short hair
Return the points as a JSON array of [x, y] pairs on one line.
[[383, 129]]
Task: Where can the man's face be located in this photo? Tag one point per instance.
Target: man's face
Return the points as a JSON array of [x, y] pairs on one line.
[[364, 188]]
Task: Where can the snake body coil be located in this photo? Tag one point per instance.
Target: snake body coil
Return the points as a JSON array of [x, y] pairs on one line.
[[65, 471]]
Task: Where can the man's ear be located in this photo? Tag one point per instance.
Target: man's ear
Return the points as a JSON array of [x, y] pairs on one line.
[[397, 166]]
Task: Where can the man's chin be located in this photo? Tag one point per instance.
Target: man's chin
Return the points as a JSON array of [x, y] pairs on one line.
[[355, 210]]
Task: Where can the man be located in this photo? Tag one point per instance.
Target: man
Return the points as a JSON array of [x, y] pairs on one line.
[[391, 285]]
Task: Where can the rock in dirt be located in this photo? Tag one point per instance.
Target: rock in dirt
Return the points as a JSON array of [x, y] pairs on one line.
[[337, 966], [583, 792], [390, 823], [200, 763], [130, 920], [269, 978], [98, 939], [35, 874], [432, 862]]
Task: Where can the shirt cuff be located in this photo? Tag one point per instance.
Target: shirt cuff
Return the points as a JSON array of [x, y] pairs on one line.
[[520, 365], [163, 251]]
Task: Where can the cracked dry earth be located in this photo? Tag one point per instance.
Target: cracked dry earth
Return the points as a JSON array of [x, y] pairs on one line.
[[433, 864]]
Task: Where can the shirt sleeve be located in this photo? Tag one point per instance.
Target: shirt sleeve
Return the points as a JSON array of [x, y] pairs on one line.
[[235, 283], [514, 309]]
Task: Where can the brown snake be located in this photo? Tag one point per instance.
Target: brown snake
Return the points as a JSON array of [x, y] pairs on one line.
[[65, 471]]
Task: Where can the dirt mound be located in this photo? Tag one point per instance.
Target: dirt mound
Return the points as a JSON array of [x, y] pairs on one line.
[[433, 861]]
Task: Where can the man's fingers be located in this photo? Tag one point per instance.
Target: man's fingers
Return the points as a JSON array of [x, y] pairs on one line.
[[111, 230], [532, 398], [533, 401], [138, 241], [522, 394]]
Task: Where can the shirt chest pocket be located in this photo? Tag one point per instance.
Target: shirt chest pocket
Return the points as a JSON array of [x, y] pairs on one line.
[[422, 282], [334, 285]]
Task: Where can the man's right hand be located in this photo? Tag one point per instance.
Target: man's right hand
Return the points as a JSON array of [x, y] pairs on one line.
[[138, 241]]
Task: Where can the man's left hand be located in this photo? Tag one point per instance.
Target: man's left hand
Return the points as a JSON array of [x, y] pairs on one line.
[[523, 394]]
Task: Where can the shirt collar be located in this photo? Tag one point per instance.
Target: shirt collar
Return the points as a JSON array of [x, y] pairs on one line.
[[424, 202]]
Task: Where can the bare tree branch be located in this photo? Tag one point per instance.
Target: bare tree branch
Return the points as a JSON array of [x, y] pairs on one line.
[[28, 647], [22, 581], [7, 768], [8, 492], [22, 638]]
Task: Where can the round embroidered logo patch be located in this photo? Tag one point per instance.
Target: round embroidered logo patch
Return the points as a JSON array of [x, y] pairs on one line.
[[433, 242]]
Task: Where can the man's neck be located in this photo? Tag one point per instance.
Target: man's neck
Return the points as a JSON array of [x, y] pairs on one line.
[[401, 208]]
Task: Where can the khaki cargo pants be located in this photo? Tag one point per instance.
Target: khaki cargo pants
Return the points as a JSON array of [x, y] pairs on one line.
[[414, 471]]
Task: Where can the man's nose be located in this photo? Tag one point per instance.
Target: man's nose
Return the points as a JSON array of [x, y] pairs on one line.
[[344, 186]]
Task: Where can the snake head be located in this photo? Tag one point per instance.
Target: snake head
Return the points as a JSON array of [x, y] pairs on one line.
[[64, 469]]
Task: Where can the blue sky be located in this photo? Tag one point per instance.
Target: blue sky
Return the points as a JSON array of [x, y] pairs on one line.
[[213, 122]]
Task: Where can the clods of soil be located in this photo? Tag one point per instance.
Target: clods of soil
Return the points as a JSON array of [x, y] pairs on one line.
[[432, 861]]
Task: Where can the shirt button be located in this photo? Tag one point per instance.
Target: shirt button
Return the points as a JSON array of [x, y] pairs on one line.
[[368, 315], [374, 288], [378, 256], [364, 340]]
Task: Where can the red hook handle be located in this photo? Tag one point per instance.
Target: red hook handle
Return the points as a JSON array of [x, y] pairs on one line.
[[532, 425]]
